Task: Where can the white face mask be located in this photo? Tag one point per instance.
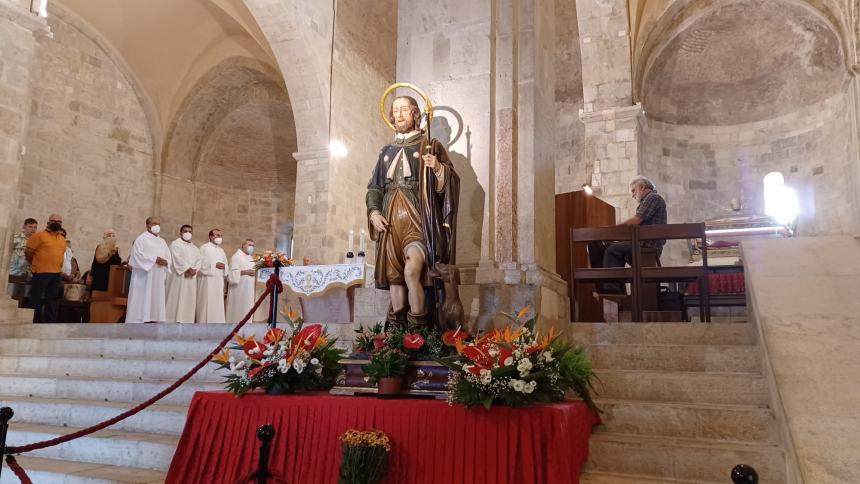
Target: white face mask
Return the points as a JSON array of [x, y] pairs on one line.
[[218, 240], [155, 229], [186, 236], [250, 249]]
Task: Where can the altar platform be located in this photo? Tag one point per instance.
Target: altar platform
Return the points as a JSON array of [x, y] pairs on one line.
[[432, 442]]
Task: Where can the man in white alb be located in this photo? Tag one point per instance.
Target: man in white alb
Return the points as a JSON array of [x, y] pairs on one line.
[[240, 293], [149, 263], [182, 281], [210, 280]]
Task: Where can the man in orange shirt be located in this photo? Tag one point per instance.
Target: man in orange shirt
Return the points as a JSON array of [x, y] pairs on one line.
[[45, 252]]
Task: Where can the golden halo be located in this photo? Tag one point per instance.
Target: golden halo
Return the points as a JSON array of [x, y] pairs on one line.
[[428, 107]]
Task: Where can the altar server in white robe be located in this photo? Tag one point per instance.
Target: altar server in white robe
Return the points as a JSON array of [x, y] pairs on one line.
[[182, 281], [240, 292], [210, 280], [149, 263]]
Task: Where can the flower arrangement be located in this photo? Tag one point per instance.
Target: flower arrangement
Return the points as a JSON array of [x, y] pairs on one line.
[[365, 456], [386, 363], [417, 342], [303, 359], [516, 366], [268, 258]]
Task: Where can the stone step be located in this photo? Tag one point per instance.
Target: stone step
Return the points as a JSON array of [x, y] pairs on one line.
[[664, 333], [682, 387], [685, 459], [114, 347], [701, 421], [159, 331], [122, 449], [720, 358], [106, 368], [594, 477], [52, 471], [101, 389], [157, 419]]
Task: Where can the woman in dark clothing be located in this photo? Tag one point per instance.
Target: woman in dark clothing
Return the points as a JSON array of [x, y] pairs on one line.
[[107, 254]]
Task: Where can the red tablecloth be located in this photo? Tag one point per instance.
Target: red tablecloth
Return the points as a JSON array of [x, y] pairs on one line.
[[432, 442]]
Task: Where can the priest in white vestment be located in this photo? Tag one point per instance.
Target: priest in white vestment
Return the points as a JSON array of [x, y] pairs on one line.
[[182, 281], [149, 263], [210, 280], [240, 292]]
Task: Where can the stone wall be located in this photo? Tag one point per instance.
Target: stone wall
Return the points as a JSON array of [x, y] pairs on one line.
[[699, 169], [89, 146], [570, 166]]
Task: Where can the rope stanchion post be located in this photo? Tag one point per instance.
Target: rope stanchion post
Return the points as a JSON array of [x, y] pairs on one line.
[[274, 286], [6, 415], [265, 433]]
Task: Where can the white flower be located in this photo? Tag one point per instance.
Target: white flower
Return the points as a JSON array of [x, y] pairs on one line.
[[518, 385], [547, 356], [524, 366], [315, 361], [509, 361], [299, 365], [530, 387], [486, 378], [283, 366], [494, 351], [268, 352]]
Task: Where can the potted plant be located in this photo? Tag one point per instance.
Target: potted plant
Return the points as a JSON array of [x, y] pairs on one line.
[[386, 368], [365, 456]]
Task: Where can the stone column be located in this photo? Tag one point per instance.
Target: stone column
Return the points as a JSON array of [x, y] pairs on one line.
[[313, 236], [18, 30], [612, 121]]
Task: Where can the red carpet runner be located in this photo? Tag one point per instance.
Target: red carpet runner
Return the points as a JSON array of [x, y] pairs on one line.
[[432, 442]]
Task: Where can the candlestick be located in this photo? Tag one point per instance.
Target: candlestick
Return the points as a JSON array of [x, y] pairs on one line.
[[361, 245], [351, 237]]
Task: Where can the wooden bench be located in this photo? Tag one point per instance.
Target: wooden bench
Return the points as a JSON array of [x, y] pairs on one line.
[[660, 274]]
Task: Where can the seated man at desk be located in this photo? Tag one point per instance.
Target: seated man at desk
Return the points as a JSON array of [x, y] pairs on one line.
[[650, 211]]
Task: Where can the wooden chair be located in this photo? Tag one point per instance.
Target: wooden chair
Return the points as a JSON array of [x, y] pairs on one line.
[[615, 274], [678, 273]]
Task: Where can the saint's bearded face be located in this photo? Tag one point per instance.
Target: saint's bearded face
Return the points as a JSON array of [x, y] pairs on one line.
[[403, 114]]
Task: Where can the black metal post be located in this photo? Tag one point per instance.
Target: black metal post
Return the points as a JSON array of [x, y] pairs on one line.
[[273, 315], [744, 474], [265, 433], [6, 414]]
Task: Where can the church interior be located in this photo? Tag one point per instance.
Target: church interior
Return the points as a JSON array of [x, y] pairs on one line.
[[263, 118]]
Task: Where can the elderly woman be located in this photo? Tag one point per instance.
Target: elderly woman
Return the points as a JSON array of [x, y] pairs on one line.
[[107, 254]]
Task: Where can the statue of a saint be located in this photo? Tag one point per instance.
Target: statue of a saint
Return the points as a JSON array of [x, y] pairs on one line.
[[412, 213]]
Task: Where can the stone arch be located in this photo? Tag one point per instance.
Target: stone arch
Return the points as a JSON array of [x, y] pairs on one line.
[[299, 35], [680, 79], [230, 147]]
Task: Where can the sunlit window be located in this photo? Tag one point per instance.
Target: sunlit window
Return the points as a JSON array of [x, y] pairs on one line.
[[780, 201]]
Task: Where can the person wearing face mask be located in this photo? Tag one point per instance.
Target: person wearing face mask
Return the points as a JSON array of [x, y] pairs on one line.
[[182, 281], [46, 252], [149, 263], [210, 280], [106, 255], [240, 295]]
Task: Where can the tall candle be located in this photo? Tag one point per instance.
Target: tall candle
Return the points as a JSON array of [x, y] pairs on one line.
[[351, 238], [361, 242]]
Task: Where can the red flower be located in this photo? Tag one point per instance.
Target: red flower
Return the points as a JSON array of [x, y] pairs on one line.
[[479, 354], [378, 341], [504, 354], [256, 371], [274, 335], [254, 350], [307, 337], [413, 341], [451, 336]]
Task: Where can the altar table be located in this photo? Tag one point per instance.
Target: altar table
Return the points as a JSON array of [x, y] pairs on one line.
[[432, 442], [323, 292]]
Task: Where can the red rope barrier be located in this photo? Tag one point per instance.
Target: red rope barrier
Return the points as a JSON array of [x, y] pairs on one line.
[[18, 470], [107, 423]]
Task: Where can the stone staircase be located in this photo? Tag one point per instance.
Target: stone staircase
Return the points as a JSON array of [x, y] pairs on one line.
[[682, 403], [60, 378]]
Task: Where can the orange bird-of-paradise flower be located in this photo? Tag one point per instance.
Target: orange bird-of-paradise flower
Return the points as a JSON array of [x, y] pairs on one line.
[[547, 340], [223, 357], [508, 336], [242, 340], [292, 314], [524, 311]]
